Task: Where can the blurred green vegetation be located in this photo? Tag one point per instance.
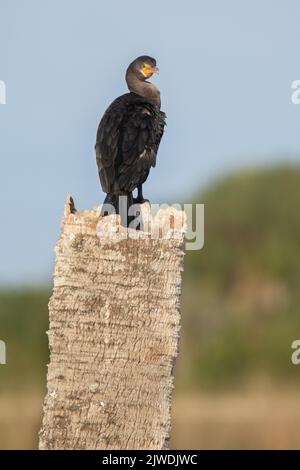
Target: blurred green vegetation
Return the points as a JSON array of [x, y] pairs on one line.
[[23, 326], [252, 225], [241, 295]]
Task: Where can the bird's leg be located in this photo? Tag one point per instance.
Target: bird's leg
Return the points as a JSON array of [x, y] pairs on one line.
[[140, 198]]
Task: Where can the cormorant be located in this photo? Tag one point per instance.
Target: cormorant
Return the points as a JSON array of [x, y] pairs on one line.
[[129, 135]]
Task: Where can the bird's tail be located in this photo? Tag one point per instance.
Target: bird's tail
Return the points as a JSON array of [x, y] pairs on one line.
[[120, 204]]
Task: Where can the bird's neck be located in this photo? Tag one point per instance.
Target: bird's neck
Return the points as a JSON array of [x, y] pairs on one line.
[[142, 88]]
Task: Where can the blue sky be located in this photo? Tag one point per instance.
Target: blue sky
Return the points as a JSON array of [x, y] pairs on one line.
[[226, 69]]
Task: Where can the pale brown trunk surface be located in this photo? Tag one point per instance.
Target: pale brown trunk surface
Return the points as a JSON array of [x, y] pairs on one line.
[[114, 328]]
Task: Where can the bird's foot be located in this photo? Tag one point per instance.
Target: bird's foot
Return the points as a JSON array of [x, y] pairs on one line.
[[138, 200]]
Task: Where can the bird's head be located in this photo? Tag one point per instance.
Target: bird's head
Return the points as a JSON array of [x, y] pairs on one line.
[[143, 67], [136, 78]]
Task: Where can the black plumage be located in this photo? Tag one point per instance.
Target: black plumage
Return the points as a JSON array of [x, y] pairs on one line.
[[129, 135]]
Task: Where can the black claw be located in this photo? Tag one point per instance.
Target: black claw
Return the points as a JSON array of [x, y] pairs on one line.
[[138, 200]]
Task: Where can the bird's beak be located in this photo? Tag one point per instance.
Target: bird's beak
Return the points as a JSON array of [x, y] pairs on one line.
[[155, 70]]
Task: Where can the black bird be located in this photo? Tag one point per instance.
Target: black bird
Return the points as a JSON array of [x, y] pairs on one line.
[[129, 135]]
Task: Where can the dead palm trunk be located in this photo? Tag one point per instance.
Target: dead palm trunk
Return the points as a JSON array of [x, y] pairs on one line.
[[114, 327]]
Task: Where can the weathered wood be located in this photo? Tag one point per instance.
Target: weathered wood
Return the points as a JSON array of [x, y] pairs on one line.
[[114, 328]]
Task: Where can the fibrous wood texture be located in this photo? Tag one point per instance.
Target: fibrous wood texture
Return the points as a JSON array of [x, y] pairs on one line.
[[114, 328]]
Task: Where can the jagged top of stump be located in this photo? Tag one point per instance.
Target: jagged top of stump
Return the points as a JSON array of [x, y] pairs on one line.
[[168, 223]]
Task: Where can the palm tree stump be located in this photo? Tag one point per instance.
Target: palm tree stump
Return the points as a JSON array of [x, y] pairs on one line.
[[114, 329]]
